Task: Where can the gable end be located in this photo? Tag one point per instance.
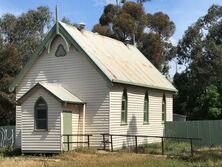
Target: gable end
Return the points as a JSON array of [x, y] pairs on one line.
[[46, 44]]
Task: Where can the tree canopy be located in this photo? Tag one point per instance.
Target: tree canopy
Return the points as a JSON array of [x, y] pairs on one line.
[[20, 35], [151, 32], [200, 51], [25, 31], [200, 85]]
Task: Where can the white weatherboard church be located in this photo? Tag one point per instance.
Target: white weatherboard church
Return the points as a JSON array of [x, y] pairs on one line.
[[80, 82]]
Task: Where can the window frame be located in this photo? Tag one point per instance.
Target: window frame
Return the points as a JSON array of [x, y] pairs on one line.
[[163, 110], [36, 119], [146, 110], [124, 113]]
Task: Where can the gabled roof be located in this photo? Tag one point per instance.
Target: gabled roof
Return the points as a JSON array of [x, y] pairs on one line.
[[117, 62], [59, 92]]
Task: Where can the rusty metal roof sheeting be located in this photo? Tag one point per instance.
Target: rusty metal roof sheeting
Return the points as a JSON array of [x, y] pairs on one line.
[[119, 62], [62, 94]]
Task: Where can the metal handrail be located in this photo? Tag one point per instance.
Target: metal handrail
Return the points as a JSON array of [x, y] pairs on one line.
[[145, 136], [78, 142], [77, 135]]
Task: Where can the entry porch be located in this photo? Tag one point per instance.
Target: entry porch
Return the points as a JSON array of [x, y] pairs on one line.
[[51, 117]]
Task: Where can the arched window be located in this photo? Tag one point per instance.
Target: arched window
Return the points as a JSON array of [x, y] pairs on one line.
[[41, 114], [146, 108], [164, 108], [124, 107]]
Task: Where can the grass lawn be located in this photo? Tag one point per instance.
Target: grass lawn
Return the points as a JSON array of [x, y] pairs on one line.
[[204, 157], [170, 148]]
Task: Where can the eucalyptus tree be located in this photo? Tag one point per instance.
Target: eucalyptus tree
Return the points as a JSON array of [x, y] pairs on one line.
[[19, 37], [150, 32], [200, 85]]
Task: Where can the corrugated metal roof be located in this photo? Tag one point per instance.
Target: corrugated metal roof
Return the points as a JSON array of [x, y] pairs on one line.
[[60, 92], [56, 90], [119, 62]]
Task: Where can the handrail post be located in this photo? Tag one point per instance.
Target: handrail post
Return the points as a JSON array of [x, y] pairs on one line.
[[136, 144], [88, 140], [162, 144], [111, 137], [191, 146], [68, 141], [104, 142]]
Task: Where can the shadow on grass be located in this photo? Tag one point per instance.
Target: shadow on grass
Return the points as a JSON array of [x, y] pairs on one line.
[[16, 152], [9, 152]]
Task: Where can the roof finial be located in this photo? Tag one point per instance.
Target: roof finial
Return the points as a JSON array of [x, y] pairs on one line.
[[57, 20]]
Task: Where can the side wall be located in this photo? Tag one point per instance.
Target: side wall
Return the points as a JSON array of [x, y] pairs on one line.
[[18, 127], [77, 75], [45, 141], [135, 124]]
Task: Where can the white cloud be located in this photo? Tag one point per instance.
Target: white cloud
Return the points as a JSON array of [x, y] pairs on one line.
[[103, 2]]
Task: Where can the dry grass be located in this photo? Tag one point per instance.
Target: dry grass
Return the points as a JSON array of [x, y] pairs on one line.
[[85, 159], [94, 159], [20, 162]]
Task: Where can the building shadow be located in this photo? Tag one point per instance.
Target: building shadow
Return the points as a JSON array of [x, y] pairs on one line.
[[132, 130]]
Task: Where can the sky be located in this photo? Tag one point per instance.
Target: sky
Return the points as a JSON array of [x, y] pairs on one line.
[[182, 12]]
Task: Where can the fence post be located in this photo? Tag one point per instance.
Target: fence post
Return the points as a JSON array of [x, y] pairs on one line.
[[111, 137], [104, 142], [198, 132], [136, 144], [210, 133], [88, 140], [191, 146], [162, 144], [68, 141]]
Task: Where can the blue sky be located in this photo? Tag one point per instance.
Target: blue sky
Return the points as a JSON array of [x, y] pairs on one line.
[[182, 12]]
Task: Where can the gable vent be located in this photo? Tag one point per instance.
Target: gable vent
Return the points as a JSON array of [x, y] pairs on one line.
[[60, 51]]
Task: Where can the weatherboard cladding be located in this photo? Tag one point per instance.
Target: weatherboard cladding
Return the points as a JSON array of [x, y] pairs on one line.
[[18, 118], [118, 62], [135, 124], [77, 75], [49, 140], [77, 125]]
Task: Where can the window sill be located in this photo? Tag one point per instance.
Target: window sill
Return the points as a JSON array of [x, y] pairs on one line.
[[41, 130], [146, 123], [123, 124]]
